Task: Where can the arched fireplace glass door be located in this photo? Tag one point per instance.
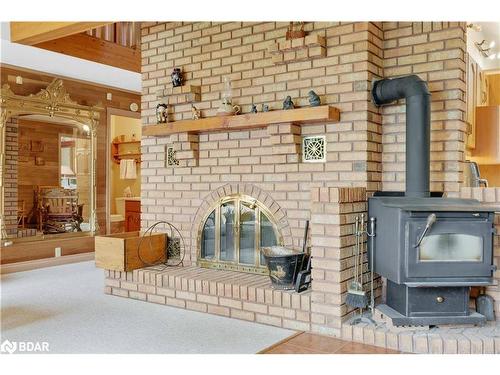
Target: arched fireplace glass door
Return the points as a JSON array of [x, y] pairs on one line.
[[234, 231]]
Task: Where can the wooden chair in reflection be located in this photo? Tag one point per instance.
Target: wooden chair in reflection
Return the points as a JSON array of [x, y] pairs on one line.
[[58, 210]]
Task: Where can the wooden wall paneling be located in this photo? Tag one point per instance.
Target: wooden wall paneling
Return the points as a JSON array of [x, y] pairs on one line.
[[25, 251]]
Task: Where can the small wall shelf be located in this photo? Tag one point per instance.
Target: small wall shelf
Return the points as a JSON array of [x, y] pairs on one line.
[[299, 116], [117, 154]]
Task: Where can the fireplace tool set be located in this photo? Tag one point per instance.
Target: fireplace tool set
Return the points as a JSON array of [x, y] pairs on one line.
[[356, 295]]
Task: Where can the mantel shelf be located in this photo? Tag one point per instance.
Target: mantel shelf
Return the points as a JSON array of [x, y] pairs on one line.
[[299, 116]]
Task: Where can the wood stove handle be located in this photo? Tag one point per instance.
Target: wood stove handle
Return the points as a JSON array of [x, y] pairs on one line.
[[431, 219]]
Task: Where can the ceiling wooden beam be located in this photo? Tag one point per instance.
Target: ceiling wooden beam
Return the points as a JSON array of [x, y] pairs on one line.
[[94, 49], [31, 33]]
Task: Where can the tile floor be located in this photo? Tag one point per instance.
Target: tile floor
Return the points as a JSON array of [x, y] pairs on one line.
[[308, 343]]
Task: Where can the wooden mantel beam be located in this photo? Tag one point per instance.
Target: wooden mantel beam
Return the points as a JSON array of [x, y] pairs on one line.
[[30, 33], [298, 116]]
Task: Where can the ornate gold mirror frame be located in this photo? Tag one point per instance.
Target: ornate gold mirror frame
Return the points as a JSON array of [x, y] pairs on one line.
[[52, 101]]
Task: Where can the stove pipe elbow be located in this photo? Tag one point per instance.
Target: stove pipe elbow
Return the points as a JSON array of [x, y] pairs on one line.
[[418, 127]]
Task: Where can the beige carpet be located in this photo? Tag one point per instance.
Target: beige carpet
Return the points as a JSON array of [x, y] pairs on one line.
[[66, 307]]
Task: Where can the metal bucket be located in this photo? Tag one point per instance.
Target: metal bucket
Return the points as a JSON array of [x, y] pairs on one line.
[[284, 265]]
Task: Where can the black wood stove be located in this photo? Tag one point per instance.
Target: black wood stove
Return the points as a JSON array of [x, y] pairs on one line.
[[431, 249]]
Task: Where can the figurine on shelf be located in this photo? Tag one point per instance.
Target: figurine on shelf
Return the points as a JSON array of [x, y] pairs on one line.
[[196, 113], [176, 77], [288, 104], [254, 108], [314, 99], [265, 108], [162, 113]]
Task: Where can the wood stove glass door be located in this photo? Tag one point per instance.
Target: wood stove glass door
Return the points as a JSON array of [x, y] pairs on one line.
[[451, 248]]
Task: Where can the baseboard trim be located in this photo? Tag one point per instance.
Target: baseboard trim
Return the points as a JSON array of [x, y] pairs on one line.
[[47, 262]]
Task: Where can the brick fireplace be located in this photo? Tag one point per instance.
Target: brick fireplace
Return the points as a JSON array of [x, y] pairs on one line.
[[364, 152]]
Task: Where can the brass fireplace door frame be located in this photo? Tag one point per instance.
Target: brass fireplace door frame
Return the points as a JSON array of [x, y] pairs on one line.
[[217, 263]]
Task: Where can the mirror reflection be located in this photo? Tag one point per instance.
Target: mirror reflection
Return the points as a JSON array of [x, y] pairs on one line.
[[53, 177]]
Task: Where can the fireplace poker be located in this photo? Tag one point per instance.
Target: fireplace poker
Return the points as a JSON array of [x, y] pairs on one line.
[[355, 289], [371, 234]]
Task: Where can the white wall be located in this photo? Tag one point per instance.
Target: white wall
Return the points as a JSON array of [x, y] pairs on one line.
[[63, 65]]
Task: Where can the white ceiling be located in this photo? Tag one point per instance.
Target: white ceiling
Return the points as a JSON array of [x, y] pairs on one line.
[[490, 31]]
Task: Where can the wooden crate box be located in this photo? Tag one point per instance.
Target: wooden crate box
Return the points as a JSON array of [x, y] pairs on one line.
[[119, 252]]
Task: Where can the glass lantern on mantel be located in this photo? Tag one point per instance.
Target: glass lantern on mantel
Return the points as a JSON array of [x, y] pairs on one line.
[[227, 108]]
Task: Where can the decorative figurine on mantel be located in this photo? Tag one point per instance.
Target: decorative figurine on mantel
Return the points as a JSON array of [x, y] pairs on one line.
[[254, 108], [176, 77], [196, 113], [265, 108], [288, 104], [314, 99], [161, 113]]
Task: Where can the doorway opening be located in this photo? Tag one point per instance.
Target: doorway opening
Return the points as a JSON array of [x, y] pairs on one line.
[[124, 177]]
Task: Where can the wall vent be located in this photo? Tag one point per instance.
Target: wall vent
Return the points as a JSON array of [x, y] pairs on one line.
[[314, 149]]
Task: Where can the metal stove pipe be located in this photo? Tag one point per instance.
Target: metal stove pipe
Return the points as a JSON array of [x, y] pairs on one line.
[[418, 127]]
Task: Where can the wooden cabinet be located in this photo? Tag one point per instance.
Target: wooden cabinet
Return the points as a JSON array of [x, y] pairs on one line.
[[487, 150], [493, 89], [471, 100], [132, 215], [477, 91]]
